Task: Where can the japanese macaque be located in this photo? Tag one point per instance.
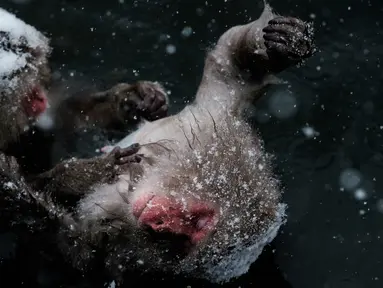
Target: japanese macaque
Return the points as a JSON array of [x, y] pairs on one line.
[[196, 196], [23, 76], [26, 144], [25, 81]]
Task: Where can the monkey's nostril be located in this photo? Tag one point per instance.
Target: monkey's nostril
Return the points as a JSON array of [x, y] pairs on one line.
[[159, 222]]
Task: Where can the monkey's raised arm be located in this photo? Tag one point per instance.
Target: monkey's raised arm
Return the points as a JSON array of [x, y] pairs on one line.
[[247, 55], [122, 105], [75, 177], [268, 45]]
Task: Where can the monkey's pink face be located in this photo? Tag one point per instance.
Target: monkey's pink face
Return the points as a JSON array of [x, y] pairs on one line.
[[35, 101], [194, 219]]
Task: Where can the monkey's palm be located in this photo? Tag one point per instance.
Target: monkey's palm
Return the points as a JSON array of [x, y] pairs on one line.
[[145, 99], [289, 38]]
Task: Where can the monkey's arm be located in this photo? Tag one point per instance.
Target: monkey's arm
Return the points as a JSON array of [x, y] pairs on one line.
[[122, 105], [246, 57], [268, 45], [75, 177], [17, 203]]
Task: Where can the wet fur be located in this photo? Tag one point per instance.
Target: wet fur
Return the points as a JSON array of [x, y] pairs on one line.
[[24, 209], [206, 152], [208, 139]]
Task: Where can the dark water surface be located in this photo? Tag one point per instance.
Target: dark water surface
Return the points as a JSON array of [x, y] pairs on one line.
[[333, 181]]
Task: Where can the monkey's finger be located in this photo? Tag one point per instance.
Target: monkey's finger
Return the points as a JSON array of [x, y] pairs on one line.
[[125, 161], [128, 151], [288, 21], [275, 37], [136, 158], [161, 96], [284, 30], [274, 47], [159, 101], [145, 88], [298, 46], [160, 113], [116, 151], [147, 102]]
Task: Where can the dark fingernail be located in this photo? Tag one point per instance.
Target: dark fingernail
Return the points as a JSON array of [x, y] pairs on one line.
[[115, 150], [135, 145]]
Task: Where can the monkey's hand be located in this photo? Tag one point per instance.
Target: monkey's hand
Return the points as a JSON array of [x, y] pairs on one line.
[[154, 103], [144, 99], [77, 176], [122, 158], [288, 40]]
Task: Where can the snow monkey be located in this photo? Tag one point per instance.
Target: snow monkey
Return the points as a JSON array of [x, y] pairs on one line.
[[25, 79], [25, 82], [191, 194]]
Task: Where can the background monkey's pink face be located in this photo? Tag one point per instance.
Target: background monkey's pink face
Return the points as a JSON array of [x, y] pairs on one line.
[[35, 101], [24, 70]]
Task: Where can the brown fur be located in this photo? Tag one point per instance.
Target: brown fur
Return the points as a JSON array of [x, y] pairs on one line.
[[117, 107], [146, 98]]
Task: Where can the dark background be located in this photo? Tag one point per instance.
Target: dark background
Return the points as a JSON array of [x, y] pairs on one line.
[[332, 239]]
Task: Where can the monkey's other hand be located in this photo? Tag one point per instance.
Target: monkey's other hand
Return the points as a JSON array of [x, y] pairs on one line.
[[121, 158], [289, 38], [143, 99], [153, 104]]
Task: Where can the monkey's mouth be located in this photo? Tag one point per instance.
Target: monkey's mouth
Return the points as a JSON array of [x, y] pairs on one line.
[[35, 102], [164, 214]]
